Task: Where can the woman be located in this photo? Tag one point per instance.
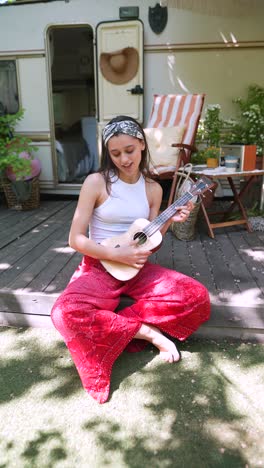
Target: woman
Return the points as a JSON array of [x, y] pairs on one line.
[[164, 300]]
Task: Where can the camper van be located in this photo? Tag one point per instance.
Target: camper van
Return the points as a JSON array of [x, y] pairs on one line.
[[74, 64]]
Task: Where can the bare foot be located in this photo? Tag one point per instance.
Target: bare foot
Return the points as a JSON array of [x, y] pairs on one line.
[[168, 350]]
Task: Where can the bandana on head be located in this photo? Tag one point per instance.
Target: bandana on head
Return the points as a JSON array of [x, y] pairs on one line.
[[126, 126]]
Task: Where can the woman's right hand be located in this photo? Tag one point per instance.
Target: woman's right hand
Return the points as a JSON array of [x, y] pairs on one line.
[[131, 254]]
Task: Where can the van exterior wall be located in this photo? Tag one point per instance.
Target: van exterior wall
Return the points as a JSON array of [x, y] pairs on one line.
[[182, 27], [165, 71], [221, 74]]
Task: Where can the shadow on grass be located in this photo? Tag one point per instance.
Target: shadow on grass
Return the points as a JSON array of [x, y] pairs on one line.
[[33, 364], [47, 444], [46, 438], [197, 406], [181, 415]]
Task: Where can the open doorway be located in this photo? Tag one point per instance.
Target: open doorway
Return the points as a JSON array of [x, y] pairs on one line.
[[74, 103]]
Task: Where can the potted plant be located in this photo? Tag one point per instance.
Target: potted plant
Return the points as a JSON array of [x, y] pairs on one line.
[[210, 127], [212, 155], [209, 135], [208, 140], [19, 169], [198, 158]]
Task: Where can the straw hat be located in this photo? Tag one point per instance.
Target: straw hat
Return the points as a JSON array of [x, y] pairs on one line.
[[120, 66]]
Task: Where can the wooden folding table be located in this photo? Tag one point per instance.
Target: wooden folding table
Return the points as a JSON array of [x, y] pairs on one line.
[[221, 173]]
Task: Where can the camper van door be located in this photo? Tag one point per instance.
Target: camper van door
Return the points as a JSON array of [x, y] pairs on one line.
[[119, 51]]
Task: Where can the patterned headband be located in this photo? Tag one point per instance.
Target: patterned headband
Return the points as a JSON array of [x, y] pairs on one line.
[[126, 126]]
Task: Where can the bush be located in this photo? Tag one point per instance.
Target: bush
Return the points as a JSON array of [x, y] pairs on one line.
[[13, 148], [249, 127]]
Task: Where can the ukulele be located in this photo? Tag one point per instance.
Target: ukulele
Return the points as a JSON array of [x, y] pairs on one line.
[[147, 232]]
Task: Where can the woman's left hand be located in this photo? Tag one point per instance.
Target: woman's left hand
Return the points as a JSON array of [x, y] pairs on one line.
[[183, 213]]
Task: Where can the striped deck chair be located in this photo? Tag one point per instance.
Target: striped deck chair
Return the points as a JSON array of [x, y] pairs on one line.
[[182, 111]]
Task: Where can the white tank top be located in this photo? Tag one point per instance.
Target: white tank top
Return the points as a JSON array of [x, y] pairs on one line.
[[125, 204]]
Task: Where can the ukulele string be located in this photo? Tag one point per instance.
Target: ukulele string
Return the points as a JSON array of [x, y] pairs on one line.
[[163, 217]]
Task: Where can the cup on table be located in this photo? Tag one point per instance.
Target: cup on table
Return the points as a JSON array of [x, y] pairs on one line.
[[231, 163]]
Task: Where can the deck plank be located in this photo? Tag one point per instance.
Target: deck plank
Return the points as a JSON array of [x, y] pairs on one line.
[[241, 270], [26, 223], [24, 239], [61, 279], [201, 269], [223, 276], [36, 264], [180, 254], [164, 255], [35, 242], [252, 254], [44, 254]]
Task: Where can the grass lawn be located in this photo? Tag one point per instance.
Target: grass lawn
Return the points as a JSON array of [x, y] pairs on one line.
[[206, 411]]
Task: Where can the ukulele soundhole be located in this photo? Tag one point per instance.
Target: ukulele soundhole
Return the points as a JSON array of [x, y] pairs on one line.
[[140, 237]]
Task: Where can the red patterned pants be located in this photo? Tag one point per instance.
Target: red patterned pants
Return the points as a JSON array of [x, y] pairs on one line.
[[96, 335]]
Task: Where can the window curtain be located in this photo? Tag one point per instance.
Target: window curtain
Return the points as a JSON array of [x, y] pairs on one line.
[[8, 86]]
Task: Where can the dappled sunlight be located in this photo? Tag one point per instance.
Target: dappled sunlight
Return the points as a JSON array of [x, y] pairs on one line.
[[183, 87], [51, 288], [38, 230], [24, 357], [239, 395], [45, 446], [210, 401], [171, 62], [179, 403], [246, 298], [257, 255], [227, 41], [222, 297], [63, 250], [223, 37], [227, 436], [4, 266], [40, 357], [234, 40], [171, 66], [249, 297]]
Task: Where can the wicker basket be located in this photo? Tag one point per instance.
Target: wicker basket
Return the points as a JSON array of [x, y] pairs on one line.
[[12, 201], [186, 230]]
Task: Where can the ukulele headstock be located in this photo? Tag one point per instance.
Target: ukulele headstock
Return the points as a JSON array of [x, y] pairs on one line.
[[201, 185]]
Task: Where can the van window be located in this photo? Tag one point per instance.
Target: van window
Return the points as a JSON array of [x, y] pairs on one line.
[[8, 86]]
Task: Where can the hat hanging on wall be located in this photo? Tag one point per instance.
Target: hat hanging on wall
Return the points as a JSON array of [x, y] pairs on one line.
[[120, 66]]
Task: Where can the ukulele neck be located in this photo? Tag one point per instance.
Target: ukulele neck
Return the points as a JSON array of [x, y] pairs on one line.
[[163, 217]]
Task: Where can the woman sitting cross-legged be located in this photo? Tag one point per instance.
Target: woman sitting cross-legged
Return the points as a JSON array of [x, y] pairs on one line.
[[164, 300]]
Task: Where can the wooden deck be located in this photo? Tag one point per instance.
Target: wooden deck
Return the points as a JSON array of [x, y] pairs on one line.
[[36, 264]]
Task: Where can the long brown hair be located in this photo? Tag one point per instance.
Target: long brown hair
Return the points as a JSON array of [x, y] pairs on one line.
[[107, 167]]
